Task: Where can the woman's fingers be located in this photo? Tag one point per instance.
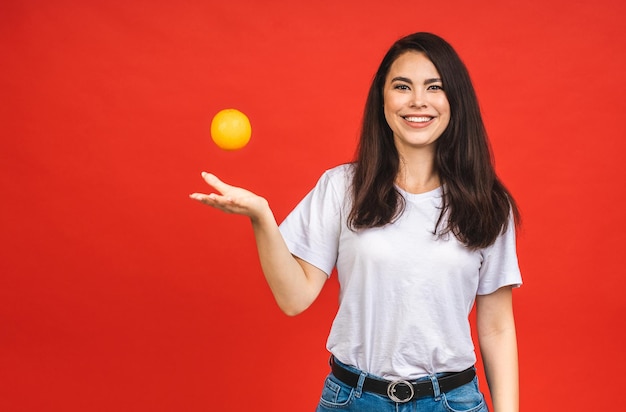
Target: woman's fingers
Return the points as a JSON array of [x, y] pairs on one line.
[[215, 182], [223, 203], [207, 199], [230, 199]]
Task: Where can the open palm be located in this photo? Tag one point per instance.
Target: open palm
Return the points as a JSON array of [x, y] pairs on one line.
[[231, 199]]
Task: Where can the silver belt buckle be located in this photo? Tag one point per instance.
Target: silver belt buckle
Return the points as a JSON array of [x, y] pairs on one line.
[[391, 391]]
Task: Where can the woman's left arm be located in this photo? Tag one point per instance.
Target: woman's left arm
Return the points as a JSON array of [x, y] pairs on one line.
[[498, 347]]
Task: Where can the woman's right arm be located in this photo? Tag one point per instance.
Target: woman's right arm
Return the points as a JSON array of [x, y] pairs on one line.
[[295, 283]]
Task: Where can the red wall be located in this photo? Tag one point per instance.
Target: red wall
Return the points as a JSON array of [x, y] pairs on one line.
[[117, 292]]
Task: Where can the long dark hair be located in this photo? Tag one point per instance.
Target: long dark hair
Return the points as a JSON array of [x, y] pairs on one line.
[[476, 205]]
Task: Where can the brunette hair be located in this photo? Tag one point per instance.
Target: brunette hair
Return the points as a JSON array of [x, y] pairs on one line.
[[476, 205]]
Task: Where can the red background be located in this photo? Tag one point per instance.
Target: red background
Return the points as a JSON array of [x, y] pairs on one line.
[[117, 292]]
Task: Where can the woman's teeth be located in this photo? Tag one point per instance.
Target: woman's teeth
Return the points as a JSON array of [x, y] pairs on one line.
[[418, 119]]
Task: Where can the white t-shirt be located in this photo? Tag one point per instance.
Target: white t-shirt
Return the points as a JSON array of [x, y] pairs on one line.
[[405, 295]]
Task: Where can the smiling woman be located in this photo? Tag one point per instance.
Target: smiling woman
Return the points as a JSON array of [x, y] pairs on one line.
[[461, 159], [402, 328]]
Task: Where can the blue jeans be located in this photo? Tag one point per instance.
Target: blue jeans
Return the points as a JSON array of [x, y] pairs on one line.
[[337, 396]]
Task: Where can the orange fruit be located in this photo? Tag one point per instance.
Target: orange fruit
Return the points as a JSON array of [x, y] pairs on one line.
[[230, 129]]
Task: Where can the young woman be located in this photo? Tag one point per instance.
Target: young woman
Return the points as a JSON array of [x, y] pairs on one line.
[[419, 228]]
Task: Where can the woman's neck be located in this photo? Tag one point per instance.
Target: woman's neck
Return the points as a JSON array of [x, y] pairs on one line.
[[418, 175]]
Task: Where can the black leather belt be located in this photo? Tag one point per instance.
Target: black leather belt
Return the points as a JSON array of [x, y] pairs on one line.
[[402, 391]]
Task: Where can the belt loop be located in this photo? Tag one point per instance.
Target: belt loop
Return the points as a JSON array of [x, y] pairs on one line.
[[359, 384], [436, 389]]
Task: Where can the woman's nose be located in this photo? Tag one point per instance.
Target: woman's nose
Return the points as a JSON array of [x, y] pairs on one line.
[[418, 99]]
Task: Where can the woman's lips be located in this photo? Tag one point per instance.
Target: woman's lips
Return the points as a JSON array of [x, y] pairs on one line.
[[418, 121]]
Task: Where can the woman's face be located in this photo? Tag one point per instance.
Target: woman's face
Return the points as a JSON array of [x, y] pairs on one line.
[[415, 104]]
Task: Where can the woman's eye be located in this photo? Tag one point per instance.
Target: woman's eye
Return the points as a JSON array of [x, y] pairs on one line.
[[401, 87], [435, 87]]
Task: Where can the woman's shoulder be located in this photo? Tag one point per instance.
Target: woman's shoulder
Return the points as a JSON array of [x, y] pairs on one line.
[[344, 170], [339, 176]]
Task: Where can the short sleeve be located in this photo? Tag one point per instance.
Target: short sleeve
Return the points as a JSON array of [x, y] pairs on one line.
[[500, 266], [311, 231]]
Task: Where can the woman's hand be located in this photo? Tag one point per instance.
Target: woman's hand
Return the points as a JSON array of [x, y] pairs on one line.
[[232, 199]]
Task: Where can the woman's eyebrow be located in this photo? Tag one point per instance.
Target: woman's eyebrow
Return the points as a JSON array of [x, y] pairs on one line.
[[401, 79], [409, 81], [433, 80]]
